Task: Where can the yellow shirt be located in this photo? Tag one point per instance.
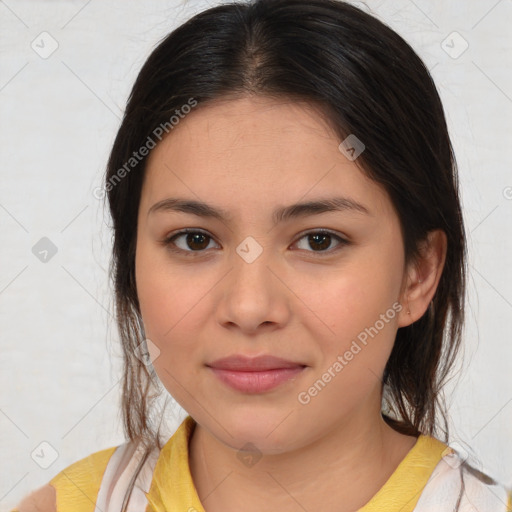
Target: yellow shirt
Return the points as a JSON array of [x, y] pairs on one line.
[[77, 485]]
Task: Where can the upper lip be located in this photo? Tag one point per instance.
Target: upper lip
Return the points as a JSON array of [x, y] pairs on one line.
[[252, 364]]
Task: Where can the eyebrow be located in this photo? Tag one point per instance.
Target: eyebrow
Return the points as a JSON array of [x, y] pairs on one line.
[[281, 214]]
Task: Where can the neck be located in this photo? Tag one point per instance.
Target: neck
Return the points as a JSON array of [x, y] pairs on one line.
[[340, 471]]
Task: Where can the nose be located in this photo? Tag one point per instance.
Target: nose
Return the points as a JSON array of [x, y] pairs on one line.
[[254, 296]]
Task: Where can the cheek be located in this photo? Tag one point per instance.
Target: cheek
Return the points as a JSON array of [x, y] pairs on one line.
[[169, 307], [351, 298], [161, 294], [355, 313], [174, 306], [353, 352], [165, 291]]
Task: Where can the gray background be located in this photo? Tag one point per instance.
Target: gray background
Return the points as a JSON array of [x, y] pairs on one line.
[[59, 358]]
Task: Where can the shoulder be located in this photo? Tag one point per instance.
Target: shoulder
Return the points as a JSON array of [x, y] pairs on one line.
[[87, 469], [456, 485], [74, 488], [43, 499], [78, 484], [483, 492]]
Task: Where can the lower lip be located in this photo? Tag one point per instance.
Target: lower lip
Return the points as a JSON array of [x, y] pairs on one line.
[[256, 382]]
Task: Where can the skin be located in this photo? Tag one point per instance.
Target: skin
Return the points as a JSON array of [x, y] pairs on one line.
[[296, 301], [43, 499]]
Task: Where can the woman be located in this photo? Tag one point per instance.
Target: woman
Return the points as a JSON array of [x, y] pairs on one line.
[[289, 254]]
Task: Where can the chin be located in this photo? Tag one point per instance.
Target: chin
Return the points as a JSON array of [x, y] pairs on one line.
[[270, 430]]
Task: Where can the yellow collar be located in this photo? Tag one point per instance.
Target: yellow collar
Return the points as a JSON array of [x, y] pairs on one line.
[[172, 487]]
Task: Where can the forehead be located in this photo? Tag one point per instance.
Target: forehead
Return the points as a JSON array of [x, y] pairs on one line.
[[255, 152], [226, 126]]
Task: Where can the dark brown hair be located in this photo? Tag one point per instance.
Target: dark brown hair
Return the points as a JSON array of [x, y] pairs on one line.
[[369, 82]]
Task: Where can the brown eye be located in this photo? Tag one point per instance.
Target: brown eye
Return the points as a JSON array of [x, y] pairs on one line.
[[192, 241], [320, 241]]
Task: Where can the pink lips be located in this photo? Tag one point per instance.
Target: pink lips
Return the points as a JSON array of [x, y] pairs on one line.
[[254, 374]]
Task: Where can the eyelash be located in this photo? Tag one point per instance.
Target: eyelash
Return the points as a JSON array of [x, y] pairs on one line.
[[169, 241]]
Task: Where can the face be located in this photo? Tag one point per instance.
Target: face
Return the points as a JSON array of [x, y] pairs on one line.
[[317, 288]]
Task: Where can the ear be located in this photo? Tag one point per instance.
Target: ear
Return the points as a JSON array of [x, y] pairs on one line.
[[422, 277]]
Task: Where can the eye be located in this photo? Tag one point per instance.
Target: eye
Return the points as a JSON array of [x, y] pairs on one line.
[[322, 240], [195, 241]]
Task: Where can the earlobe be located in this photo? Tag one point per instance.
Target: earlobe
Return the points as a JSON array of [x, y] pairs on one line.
[[423, 277]]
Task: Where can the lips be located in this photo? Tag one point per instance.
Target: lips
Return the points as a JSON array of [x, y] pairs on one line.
[[256, 374], [253, 364]]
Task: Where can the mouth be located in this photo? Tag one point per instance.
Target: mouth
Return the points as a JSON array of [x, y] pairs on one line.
[[256, 374]]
